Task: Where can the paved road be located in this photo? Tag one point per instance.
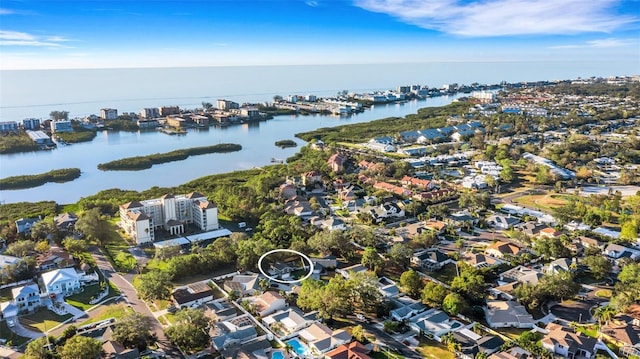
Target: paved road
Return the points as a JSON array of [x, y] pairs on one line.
[[131, 297], [390, 341]]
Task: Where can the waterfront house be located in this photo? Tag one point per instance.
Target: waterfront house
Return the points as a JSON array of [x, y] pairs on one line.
[[65, 281]]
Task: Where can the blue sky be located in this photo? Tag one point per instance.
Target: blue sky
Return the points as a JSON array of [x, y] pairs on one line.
[[47, 34]]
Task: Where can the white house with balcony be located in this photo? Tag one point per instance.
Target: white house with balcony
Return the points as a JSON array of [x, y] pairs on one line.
[[64, 281]]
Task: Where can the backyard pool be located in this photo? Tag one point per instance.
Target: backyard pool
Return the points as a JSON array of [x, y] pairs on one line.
[[277, 355], [298, 347]]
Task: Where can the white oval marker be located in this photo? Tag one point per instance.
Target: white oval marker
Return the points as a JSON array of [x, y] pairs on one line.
[[280, 280]]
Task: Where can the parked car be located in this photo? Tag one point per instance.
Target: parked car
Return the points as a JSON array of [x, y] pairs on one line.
[[11, 323]]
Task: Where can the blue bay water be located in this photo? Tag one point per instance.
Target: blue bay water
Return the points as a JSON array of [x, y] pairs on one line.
[[82, 92]]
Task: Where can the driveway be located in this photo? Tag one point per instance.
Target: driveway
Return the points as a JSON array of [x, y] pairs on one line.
[[22, 331], [573, 311]]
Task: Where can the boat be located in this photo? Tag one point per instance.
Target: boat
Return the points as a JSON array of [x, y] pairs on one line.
[[276, 160]]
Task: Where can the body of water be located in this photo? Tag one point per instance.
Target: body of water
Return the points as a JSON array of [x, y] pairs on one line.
[[26, 94], [257, 140]]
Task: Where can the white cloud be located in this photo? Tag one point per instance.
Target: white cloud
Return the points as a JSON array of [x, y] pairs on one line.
[[598, 44], [503, 17], [4, 11], [17, 38]]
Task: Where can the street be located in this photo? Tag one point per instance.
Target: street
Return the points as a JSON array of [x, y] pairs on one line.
[[390, 341], [131, 297]]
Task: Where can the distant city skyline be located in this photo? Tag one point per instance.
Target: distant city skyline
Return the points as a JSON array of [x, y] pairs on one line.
[[56, 34]]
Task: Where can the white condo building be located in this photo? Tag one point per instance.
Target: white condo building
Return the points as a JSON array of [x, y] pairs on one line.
[[140, 219]]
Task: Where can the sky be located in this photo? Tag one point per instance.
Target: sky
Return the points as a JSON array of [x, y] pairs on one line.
[[55, 34]]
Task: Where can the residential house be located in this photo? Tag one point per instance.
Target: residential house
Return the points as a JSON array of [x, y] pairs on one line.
[[65, 221], [281, 270], [311, 178], [334, 224], [243, 284], [287, 322], [268, 303], [462, 219], [406, 308], [288, 190], [531, 229], [589, 242], [356, 268], [434, 324], [234, 331], [337, 162], [392, 210], [27, 297], [560, 265], [65, 281], [549, 232], [258, 348], [435, 225], [621, 331], [392, 188], [56, 257], [347, 194], [513, 353], [220, 310], [563, 341], [388, 288], [431, 259], [499, 221], [6, 260], [322, 339], [327, 262], [192, 295], [479, 260], [422, 184], [502, 249], [471, 343], [507, 314], [353, 350], [617, 251], [23, 225]]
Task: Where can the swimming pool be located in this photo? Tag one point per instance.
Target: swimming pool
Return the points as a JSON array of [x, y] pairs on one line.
[[298, 347], [277, 355]]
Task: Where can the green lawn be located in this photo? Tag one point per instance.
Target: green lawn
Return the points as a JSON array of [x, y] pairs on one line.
[[108, 311], [385, 355], [81, 300], [433, 350], [512, 333], [446, 274], [43, 320], [588, 330], [604, 293], [11, 337]]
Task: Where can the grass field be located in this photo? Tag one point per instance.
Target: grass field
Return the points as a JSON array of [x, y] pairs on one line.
[[446, 274], [108, 311], [81, 300], [43, 320], [604, 293], [431, 349], [541, 201]]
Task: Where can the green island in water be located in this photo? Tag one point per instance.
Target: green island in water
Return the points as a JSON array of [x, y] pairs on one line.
[[286, 143], [139, 163], [30, 181]]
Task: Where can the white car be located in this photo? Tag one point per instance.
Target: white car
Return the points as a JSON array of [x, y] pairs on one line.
[[11, 323]]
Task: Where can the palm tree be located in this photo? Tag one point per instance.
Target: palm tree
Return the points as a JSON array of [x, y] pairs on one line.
[[605, 314]]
